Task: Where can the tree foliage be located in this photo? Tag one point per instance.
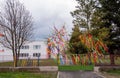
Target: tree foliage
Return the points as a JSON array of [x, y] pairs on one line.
[[88, 16], [16, 25], [102, 18], [82, 19], [111, 10], [76, 46], [83, 13]]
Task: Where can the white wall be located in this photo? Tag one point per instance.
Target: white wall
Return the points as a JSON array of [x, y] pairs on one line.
[[31, 50], [7, 54]]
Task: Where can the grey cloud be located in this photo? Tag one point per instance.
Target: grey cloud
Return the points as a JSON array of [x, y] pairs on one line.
[[47, 13]]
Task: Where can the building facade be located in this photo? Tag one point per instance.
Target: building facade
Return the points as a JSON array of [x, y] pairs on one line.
[[31, 49]]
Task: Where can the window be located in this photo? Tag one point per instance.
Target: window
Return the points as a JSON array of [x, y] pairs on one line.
[[25, 47], [36, 54], [23, 55], [36, 46]]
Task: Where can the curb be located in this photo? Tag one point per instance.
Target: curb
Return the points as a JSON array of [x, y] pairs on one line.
[[48, 68], [58, 75]]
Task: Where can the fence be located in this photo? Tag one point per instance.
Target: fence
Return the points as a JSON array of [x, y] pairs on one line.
[[87, 59], [82, 59], [7, 60]]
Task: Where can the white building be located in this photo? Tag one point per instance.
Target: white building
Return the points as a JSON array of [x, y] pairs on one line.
[[31, 49]]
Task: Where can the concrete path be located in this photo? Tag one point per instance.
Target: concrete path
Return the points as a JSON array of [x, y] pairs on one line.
[[78, 74], [48, 68]]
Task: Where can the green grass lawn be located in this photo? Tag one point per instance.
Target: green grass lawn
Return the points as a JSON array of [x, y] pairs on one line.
[[27, 75], [117, 71], [75, 67], [111, 73]]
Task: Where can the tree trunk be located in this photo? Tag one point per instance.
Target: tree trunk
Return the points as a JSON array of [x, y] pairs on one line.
[[112, 59], [15, 61]]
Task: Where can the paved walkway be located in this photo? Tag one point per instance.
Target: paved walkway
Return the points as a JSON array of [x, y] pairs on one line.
[[78, 74], [48, 68]]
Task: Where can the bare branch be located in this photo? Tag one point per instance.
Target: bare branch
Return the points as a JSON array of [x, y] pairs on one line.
[[16, 25]]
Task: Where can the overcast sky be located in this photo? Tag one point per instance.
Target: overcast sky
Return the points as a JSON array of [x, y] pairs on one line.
[[47, 13]]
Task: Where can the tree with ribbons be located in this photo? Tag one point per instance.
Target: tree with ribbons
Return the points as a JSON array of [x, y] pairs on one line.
[[95, 46], [57, 43]]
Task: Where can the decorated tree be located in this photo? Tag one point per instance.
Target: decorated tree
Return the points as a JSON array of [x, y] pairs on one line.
[[57, 43], [76, 47], [88, 16]]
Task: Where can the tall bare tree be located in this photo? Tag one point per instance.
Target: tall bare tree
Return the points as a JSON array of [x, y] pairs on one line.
[[16, 24]]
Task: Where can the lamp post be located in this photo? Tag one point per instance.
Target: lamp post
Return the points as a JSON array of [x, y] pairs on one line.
[[38, 58]]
